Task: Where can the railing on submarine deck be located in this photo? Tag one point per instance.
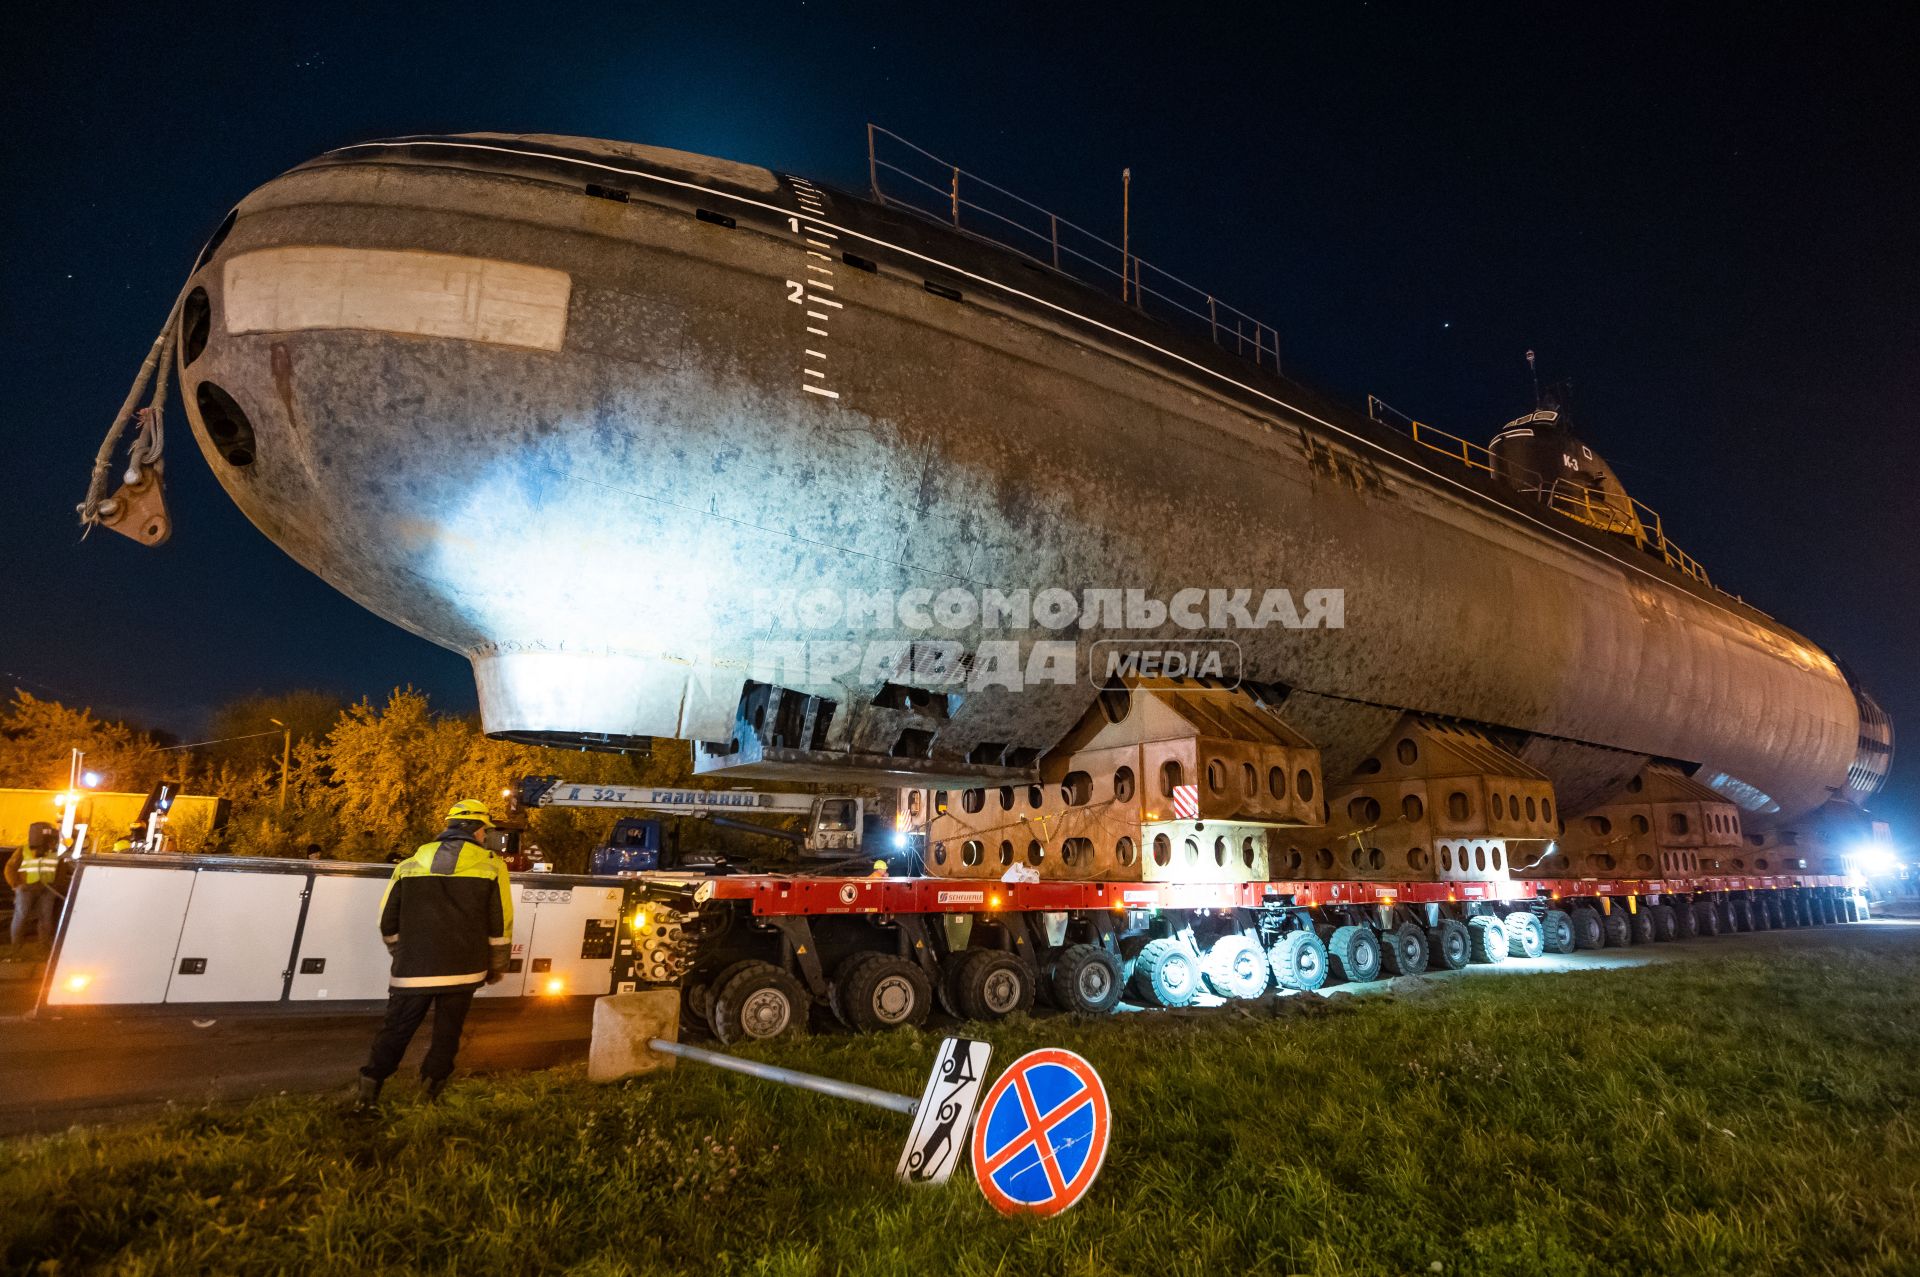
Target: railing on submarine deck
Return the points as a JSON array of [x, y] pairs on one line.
[[935, 188], [928, 185], [1638, 521]]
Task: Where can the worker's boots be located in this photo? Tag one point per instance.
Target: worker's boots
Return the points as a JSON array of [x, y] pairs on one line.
[[435, 1085], [367, 1092]]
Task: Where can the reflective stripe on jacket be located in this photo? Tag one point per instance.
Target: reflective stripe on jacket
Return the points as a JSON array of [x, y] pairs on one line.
[[447, 915], [39, 869]]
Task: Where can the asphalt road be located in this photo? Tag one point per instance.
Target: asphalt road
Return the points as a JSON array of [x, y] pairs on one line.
[[94, 1068]]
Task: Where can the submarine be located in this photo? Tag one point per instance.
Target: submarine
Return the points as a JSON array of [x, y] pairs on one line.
[[642, 434]]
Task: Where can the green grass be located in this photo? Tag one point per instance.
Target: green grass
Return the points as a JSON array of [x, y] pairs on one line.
[[1726, 1116]]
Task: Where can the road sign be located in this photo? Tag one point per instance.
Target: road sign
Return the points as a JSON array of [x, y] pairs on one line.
[[1042, 1134], [946, 1107]]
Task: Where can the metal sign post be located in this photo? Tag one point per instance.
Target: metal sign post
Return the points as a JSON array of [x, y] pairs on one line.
[[942, 1113]]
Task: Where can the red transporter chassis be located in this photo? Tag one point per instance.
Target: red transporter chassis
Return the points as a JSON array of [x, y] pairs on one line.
[[779, 895], [754, 954]]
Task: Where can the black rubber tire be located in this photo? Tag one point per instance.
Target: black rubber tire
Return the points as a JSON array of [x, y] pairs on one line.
[[841, 974], [1617, 929], [1355, 952], [1489, 939], [1665, 925], [1640, 922], [1559, 931], [1087, 980], [1686, 921], [1588, 931], [1236, 967], [1725, 908], [946, 988], [886, 993], [992, 985], [1299, 961], [696, 1001], [758, 1003], [1707, 915], [1449, 945], [1166, 974], [1403, 951], [1740, 913], [1526, 936], [1757, 914], [1770, 905]]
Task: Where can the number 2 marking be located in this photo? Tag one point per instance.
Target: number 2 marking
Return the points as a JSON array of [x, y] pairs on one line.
[[796, 292]]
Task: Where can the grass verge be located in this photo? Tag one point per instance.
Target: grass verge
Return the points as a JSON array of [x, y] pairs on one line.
[[1730, 1116]]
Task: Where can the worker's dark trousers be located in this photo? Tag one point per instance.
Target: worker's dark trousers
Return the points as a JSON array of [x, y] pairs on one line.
[[405, 1009], [35, 904]]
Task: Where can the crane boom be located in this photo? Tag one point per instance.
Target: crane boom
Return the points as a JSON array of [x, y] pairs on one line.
[[675, 802]]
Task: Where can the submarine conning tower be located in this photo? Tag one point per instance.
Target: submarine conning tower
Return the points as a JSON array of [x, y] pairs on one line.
[[587, 412]]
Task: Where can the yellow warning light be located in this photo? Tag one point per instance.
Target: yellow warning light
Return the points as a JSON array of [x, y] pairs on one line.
[[506, 792], [993, 901], [77, 983], [639, 919], [556, 985], [1119, 906]]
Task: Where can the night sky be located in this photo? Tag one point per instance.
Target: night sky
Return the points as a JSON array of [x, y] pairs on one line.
[[1709, 224]]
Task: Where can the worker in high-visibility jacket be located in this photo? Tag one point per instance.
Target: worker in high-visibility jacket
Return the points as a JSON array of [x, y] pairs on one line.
[[447, 918], [30, 872]]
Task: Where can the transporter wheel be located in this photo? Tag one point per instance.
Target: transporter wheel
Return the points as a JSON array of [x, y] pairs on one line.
[[1665, 928], [1449, 946], [1356, 953], [1086, 980], [1617, 929], [1299, 961], [696, 1001], [1558, 929], [1686, 920], [1770, 905], [946, 988], [1403, 951], [885, 993], [1526, 937], [1166, 974], [841, 975], [759, 1002], [1588, 931], [1236, 967], [1724, 907], [1757, 919], [992, 985], [1707, 916], [1640, 923], [1489, 939]]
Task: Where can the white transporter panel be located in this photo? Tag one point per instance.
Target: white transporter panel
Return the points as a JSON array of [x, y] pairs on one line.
[[563, 941], [341, 956], [238, 939], [120, 931]]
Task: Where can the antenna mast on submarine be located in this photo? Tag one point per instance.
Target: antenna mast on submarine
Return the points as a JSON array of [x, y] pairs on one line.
[[1535, 374]]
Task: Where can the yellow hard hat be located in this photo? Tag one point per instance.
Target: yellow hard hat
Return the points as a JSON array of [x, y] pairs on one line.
[[470, 809]]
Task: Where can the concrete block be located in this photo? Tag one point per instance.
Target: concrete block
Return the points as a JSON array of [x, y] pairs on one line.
[[622, 1025]]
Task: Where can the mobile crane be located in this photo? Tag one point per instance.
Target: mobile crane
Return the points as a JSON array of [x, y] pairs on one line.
[[838, 826]]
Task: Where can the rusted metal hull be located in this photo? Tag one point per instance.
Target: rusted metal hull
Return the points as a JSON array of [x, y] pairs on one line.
[[572, 435]]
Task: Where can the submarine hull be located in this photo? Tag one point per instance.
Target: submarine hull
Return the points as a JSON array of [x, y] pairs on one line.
[[590, 414]]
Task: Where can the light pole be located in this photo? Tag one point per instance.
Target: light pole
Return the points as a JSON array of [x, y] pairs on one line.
[[286, 759]]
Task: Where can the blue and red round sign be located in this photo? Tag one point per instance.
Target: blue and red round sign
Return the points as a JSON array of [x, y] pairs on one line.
[[1042, 1134]]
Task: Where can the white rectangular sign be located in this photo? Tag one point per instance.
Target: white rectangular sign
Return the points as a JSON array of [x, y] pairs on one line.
[[940, 1124]]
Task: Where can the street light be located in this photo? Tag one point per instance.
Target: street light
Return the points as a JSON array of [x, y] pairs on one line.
[[286, 758]]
